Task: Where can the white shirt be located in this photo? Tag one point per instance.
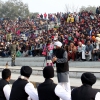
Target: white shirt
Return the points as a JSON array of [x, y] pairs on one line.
[[31, 91], [62, 93], [97, 97], [7, 91], [82, 48], [97, 46]]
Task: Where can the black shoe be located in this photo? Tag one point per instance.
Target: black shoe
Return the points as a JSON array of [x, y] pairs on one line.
[[83, 59], [13, 65], [90, 60]]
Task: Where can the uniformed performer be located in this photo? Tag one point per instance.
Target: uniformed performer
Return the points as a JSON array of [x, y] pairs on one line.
[[13, 53]]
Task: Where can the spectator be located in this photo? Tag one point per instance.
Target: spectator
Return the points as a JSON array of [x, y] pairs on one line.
[[5, 89], [48, 52], [9, 36], [81, 51], [72, 19], [22, 88], [89, 50], [45, 15], [49, 90], [97, 10], [41, 16], [72, 51], [76, 27], [86, 92], [96, 49]]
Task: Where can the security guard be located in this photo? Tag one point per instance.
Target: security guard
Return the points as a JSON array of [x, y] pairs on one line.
[[13, 53]]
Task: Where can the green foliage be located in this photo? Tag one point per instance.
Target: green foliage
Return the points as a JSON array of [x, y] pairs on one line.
[[89, 8], [13, 9], [34, 15]]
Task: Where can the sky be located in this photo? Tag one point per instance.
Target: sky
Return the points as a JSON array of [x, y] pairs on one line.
[[53, 6]]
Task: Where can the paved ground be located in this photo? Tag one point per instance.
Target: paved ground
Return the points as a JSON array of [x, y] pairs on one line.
[[39, 61], [76, 69]]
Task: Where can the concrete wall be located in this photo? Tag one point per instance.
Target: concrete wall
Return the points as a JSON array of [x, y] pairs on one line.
[[39, 61]]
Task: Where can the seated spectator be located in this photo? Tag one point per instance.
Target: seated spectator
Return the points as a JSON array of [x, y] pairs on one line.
[[22, 88], [5, 89], [86, 92], [48, 90], [18, 53], [72, 51], [80, 51], [96, 50], [88, 50], [25, 53]]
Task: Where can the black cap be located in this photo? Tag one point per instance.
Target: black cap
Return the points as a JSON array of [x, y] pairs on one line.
[[88, 78], [26, 71], [48, 72], [6, 73]]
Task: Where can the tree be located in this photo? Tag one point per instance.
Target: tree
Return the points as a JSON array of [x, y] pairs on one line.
[[34, 15], [89, 8], [71, 8], [13, 9]]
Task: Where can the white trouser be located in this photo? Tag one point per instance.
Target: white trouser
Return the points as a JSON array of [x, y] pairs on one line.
[[66, 86]]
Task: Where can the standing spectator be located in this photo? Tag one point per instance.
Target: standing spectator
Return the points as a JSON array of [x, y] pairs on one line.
[[5, 89], [41, 16], [86, 92], [38, 16], [45, 15], [61, 60], [49, 90], [48, 52], [77, 18], [90, 32], [9, 36], [97, 10], [22, 88], [72, 19]]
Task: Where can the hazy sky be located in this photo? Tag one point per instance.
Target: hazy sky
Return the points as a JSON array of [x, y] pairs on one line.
[[52, 6]]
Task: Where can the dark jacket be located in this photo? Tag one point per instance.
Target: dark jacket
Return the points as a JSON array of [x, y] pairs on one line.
[[46, 90], [85, 92]]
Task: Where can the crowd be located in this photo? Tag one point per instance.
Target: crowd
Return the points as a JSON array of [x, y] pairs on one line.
[[79, 33], [74, 36]]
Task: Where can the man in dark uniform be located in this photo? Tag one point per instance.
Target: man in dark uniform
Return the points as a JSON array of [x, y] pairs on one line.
[[61, 60], [22, 89], [86, 92], [48, 90], [5, 89], [13, 53]]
